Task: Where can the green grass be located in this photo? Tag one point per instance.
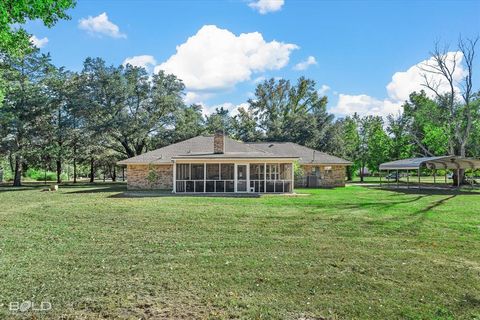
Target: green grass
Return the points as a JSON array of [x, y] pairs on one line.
[[343, 253]]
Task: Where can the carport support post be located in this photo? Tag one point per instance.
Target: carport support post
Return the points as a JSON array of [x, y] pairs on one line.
[[418, 177], [458, 178], [397, 178]]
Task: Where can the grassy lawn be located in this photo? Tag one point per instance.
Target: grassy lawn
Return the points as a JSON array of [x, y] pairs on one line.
[[343, 253]]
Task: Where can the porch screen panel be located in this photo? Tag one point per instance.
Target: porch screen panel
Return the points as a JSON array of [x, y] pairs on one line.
[[228, 171], [256, 171], [183, 171], [197, 171], [285, 171], [213, 171]]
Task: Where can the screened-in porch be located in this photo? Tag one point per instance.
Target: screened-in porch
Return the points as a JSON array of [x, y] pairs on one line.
[[233, 177]]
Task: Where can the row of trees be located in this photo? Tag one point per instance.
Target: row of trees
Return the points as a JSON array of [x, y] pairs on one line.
[[50, 116]]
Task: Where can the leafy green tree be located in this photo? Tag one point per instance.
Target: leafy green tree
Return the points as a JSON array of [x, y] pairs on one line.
[[374, 143], [401, 145], [291, 112], [187, 122], [219, 120], [428, 125], [15, 41], [25, 102], [244, 126]]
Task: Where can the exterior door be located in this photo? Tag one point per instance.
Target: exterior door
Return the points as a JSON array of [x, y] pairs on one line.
[[242, 178]]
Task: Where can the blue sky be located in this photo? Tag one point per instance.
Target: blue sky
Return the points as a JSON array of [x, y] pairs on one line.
[[354, 47]]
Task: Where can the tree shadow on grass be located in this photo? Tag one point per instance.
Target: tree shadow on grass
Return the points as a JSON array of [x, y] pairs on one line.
[[94, 188], [428, 191]]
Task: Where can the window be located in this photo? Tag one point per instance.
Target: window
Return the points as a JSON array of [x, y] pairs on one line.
[[227, 170]]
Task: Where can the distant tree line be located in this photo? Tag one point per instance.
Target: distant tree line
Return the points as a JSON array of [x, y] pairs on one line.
[[51, 117]]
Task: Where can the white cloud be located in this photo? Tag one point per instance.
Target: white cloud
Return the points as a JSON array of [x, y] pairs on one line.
[[266, 6], [196, 97], [216, 58], [305, 64], [398, 90], [364, 105], [231, 107], [145, 61], [323, 89], [100, 25], [39, 43], [405, 82], [259, 79]]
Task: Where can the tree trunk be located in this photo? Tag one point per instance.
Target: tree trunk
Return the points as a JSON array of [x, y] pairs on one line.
[[74, 170], [362, 169], [114, 174], [59, 171], [11, 162], [92, 170], [349, 173], [17, 181]]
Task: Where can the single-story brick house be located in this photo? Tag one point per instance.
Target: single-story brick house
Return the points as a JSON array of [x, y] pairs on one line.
[[220, 164]]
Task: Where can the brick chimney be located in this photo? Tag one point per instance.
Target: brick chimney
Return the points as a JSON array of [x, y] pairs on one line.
[[219, 142]]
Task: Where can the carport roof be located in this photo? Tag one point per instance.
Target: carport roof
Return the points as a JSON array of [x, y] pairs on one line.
[[443, 162]]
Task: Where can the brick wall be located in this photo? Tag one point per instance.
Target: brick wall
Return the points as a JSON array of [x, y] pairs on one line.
[[161, 177], [327, 178]]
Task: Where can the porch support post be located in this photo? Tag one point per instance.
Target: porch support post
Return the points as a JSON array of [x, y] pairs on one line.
[[293, 179], [235, 169], [408, 179], [446, 178], [398, 178], [204, 177], [265, 177], [174, 190]]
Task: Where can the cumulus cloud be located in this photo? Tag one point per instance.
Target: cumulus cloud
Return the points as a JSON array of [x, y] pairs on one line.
[[398, 89], [305, 64], [405, 82], [216, 58], [145, 61], [266, 6], [365, 105], [323, 89], [231, 107], [100, 26], [37, 42], [196, 97]]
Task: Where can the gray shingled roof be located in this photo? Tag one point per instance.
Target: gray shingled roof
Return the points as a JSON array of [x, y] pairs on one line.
[[202, 147], [305, 155]]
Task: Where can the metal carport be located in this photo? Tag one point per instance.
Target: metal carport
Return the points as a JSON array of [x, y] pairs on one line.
[[443, 162]]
